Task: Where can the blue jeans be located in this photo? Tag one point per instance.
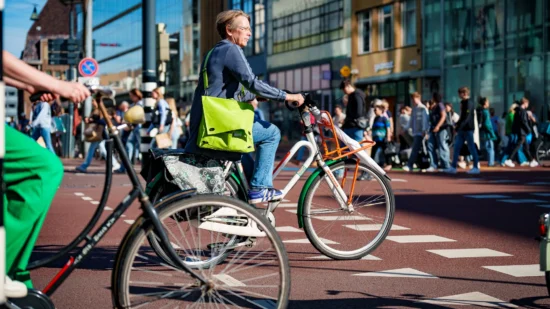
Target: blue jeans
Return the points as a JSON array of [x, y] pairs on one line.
[[46, 135], [489, 146], [266, 137], [438, 141], [355, 133], [417, 143], [461, 137], [512, 141], [90, 155]]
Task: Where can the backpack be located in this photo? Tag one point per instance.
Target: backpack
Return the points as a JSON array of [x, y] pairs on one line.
[[156, 116]]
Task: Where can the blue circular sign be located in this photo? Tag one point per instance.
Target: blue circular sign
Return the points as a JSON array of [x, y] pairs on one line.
[[88, 67]]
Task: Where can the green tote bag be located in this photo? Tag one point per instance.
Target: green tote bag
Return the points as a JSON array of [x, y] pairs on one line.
[[226, 124]]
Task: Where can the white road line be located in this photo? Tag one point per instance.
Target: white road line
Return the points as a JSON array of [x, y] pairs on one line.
[[324, 257], [486, 196], [406, 239], [306, 241], [175, 246], [374, 227], [474, 299], [399, 180], [532, 270], [130, 221], [541, 194], [228, 280], [108, 208], [94, 202], [522, 201], [87, 198], [504, 181], [288, 205], [468, 253], [287, 229], [79, 194], [400, 273], [341, 218]]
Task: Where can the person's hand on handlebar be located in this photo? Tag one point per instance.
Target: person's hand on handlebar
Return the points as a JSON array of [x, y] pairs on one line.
[[295, 97], [71, 90]]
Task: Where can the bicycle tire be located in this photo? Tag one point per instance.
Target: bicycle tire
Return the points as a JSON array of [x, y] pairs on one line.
[[123, 285], [157, 248], [328, 248], [542, 152]]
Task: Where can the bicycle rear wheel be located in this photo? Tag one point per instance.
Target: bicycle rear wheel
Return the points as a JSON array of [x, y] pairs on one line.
[[543, 152], [336, 232], [231, 191], [255, 276]]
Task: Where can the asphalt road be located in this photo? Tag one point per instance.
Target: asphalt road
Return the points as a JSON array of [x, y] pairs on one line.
[[490, 220]]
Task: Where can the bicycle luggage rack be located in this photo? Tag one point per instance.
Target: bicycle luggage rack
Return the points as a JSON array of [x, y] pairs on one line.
[[339, 152]]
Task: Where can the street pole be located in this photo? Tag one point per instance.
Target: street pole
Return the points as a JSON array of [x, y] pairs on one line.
[[89, 53], [71, 77], [148, 75], [149, 78]]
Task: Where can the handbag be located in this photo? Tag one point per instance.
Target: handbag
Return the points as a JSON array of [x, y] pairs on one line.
[[423, 161], [391, 149], [93, 132], [226, 124], [163, 140]]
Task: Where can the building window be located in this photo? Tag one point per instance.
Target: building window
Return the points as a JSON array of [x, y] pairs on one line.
[[310, 27], [409, 22], [256, 10], [386, 27], [364, 23]]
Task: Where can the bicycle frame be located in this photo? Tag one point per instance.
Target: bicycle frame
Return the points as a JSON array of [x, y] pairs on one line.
[[136, 192], [314, 154]]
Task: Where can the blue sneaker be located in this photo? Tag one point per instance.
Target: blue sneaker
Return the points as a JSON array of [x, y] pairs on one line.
[[264, 195]]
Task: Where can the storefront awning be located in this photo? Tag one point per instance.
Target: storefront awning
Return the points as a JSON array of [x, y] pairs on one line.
[[399, 76]]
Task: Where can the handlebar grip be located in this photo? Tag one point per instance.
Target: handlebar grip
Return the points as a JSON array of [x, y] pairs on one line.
[[36, 96]]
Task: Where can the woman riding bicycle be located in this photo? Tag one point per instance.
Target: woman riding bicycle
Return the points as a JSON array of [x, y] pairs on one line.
[[228, 71]]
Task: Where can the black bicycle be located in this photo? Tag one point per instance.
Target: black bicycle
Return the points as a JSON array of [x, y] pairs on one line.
[[543, 146], [188, 228]]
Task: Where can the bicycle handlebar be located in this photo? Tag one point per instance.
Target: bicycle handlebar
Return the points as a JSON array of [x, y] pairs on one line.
[[103, 90]]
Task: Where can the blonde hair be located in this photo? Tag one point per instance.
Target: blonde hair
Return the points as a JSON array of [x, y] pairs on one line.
[[415, 95], [158, 92], [226, 18], [513, 107]]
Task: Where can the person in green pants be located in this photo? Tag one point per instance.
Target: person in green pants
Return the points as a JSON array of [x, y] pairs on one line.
[[32, 174]]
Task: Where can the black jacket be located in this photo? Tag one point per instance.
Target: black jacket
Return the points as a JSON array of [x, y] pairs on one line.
[[466, 120], [521, 126], [356, 108]]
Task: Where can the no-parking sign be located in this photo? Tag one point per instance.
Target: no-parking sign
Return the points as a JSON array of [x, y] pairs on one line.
[[88, 67]]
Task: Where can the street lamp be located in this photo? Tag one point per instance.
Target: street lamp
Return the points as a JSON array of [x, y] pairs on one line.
[[34, 15]]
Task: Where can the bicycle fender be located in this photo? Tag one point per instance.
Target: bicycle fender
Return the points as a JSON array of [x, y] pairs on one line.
[[306, 187]]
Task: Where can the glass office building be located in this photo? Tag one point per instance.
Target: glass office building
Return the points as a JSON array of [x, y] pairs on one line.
[[497, 48], [117, 35]]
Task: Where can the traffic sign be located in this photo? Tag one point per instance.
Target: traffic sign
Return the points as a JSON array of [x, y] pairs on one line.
[[88, 67], [345, 71]]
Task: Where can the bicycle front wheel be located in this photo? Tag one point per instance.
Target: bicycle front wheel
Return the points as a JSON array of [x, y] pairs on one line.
[[255, 275], [342, 234]]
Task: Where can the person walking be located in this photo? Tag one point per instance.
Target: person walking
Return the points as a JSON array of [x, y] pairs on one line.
[[521, 128], [486, 131], [438, 135], [465, 132], [420, 125], [42, 123], [356, 121]]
